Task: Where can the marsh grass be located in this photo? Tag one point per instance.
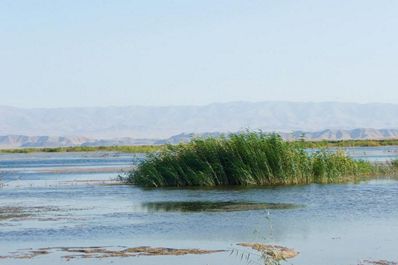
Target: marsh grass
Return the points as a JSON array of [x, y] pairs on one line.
[[249, 158]]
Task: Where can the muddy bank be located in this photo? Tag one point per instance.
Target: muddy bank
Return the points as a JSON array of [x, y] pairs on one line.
[[277, 253], [100, 252]]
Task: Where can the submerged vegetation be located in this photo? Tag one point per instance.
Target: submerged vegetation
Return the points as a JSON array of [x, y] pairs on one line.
[[247, 159]]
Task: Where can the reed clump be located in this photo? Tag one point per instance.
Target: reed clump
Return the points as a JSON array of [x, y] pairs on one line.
[[249, 158]]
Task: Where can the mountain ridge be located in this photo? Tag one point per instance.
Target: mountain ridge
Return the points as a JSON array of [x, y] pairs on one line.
[[142, 122]]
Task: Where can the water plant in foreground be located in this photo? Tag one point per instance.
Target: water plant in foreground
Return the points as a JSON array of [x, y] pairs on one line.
[[249, 158]]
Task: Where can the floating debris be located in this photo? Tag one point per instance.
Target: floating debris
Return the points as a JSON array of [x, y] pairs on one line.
[[275, 252]]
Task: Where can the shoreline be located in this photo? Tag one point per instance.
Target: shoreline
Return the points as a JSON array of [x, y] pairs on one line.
[[155, 148]]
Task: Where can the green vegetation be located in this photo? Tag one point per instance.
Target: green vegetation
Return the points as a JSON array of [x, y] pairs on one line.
[[155, 148], [246, 159], [122, 149], [347, 143]]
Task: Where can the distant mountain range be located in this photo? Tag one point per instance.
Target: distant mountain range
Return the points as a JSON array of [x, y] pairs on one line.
[[145, 122], [16, 141], [355, 134]]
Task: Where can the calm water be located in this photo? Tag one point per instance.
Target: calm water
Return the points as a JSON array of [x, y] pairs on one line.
[[64, 206]]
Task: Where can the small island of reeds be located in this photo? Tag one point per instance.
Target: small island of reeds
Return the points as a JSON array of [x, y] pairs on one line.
[[249, 158]]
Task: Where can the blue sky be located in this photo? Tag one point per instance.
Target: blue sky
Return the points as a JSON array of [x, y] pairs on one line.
[[100, 53]]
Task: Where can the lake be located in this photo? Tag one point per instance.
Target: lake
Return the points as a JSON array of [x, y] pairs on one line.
[[60, 200]]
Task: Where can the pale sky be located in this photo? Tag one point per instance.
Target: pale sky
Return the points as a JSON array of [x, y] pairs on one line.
[[100, 53]]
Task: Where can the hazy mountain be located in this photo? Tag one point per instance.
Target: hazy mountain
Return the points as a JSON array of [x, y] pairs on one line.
[[355, 134], [163, 122], [14, 141], [11, 141]]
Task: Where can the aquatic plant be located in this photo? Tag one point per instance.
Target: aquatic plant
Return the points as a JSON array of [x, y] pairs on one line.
[[249, 158]]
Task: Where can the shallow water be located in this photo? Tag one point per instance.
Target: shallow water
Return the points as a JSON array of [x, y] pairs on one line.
[[375, 154], [54, 206]]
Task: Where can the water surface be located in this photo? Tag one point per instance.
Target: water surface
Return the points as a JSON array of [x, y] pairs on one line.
[[59, 200]]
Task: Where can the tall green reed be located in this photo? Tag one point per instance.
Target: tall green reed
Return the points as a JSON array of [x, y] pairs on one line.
[[249, 158]]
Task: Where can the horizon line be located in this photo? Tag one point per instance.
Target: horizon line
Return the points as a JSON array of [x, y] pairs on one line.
[[200, 105]]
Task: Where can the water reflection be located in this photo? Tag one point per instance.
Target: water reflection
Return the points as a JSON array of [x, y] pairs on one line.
[[214, 206]]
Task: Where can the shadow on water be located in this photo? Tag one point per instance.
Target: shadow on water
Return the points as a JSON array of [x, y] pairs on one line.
[[214, 206]]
